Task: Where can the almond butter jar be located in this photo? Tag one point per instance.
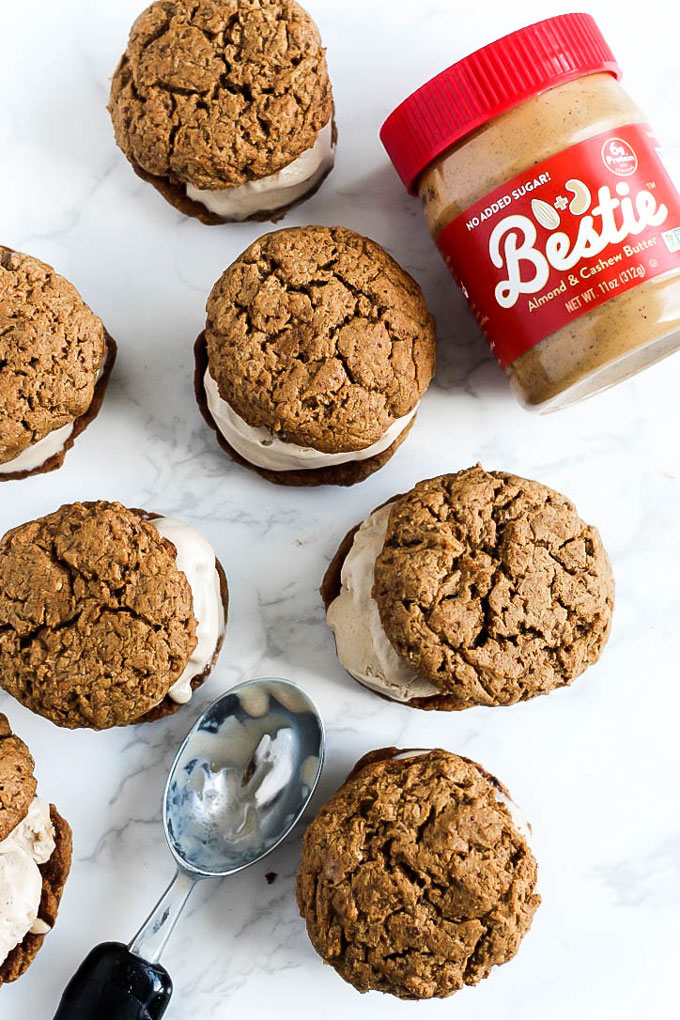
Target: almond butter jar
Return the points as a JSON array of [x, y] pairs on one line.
[[546, 193]]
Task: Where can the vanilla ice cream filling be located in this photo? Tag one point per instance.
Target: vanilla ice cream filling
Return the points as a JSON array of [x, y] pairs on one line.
[[262, 448], [39, 453], [364, 648], [196, 559], [28, 845], [518, 817], [276, 191]]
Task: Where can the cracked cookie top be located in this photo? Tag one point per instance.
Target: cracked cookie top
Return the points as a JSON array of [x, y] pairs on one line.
[[52, 347], [318, 335], [17, 782], [216, 93], [492, 587], [96, 621], [414, 879]]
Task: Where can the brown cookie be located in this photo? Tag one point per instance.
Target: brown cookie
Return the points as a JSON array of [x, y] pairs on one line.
[[54, 873], [336, 474], [17, 782], [96, 620], [217, 93], [490, 587], [55, 360], [415, 879], [316, 334]]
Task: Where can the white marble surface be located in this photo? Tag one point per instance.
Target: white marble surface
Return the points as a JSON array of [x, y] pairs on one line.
[[595, 767]]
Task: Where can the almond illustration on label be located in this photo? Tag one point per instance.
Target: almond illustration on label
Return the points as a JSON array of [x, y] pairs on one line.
[[545, 214], [581, 192]]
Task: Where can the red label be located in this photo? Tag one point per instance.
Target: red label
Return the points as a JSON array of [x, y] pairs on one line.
[[562, 238]]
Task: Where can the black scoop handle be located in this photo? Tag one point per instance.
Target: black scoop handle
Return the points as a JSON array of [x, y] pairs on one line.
[[114, 984]]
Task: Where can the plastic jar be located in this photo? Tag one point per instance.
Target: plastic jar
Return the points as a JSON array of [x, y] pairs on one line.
[[545, 190]]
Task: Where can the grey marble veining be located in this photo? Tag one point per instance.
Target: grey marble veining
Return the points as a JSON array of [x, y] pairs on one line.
[[594, 767]]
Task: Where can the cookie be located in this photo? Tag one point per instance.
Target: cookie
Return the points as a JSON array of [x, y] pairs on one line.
[[319, 348], [108, 616], [55, 362], [225, 106], [417, 877], [475, 588], [35, 842]]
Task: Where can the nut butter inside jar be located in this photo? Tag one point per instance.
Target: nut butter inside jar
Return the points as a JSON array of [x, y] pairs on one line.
[[544, 189]]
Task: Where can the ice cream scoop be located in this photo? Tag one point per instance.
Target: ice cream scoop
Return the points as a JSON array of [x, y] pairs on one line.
[[240, 782]]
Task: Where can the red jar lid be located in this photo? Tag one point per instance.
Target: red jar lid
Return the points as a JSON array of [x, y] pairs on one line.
[[487, 83]]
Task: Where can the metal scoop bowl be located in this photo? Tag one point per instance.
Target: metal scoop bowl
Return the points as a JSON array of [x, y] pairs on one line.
[[241, 780]]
